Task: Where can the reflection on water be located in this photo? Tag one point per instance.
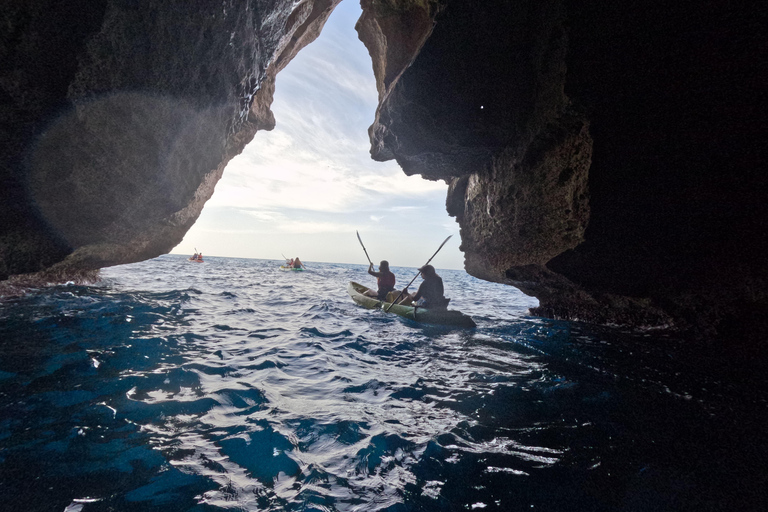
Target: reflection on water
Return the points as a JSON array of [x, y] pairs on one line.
[[233, 386]]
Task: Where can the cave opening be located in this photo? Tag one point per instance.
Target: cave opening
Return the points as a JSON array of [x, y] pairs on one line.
[[305, 187]]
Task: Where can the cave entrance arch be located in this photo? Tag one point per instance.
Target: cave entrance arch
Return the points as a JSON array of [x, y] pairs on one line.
[[304, 187]]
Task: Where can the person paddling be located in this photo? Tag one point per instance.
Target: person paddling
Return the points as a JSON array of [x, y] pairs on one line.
[[297, 263], [384, 278], [430, 292]]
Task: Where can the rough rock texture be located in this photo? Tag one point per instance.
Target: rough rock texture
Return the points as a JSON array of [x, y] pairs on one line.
[[607, 158], [117, 119]]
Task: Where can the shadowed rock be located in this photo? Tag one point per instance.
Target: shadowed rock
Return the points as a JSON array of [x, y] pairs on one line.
[[118, 119], [602, 158]]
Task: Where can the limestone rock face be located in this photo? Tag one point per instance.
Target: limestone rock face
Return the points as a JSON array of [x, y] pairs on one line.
[[117, 119]]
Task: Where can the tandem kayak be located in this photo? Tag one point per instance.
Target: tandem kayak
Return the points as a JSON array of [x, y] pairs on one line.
[[295, 269], [417, 314]]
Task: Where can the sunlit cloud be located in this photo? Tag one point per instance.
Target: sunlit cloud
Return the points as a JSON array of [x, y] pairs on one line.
[[407, 208], [315, 227], [265, 215], [226, 231], [313, 182]]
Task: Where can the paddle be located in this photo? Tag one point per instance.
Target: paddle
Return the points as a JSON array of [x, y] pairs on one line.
[[366, 252], [417, 275]]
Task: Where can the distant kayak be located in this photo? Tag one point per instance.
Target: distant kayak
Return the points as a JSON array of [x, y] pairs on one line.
[[296, 269], [195, 260], [417, 314]]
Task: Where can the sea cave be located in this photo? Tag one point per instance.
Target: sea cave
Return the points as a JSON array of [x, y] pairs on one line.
[[605, 159]]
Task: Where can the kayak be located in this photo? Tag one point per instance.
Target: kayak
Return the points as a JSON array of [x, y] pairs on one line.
[[194, 260], [295, 269], [417, 314]]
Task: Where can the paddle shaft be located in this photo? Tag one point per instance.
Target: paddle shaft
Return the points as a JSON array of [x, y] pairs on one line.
[[417, 275], [361, 243]]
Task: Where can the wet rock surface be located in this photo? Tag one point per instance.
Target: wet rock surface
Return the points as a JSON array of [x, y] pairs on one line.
[[606, 159]]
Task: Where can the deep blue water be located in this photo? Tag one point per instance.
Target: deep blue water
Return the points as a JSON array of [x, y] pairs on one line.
[[231, 385]]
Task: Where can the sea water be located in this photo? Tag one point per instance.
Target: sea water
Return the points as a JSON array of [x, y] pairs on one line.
[[232, 385]]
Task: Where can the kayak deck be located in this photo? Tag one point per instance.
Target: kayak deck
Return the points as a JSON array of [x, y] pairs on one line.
[[417, 314]]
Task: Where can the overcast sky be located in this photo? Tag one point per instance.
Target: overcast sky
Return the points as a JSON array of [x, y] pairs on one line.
[[303, 188]]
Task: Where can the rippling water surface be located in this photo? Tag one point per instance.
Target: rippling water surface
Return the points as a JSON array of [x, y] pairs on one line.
[[234, 386]]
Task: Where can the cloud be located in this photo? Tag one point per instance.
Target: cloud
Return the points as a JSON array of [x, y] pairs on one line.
[[407, 208], [264, 215], [288, 176], [295, 222], [315, 227]]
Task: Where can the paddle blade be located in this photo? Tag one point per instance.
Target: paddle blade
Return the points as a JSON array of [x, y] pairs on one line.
[[363, 246]]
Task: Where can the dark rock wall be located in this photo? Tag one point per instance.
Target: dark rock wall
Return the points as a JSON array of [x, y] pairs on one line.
[[673, 91], [118, 117], [608, 159], [39, 44]]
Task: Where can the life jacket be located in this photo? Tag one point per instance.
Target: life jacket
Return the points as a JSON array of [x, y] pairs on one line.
[[386, 281]]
